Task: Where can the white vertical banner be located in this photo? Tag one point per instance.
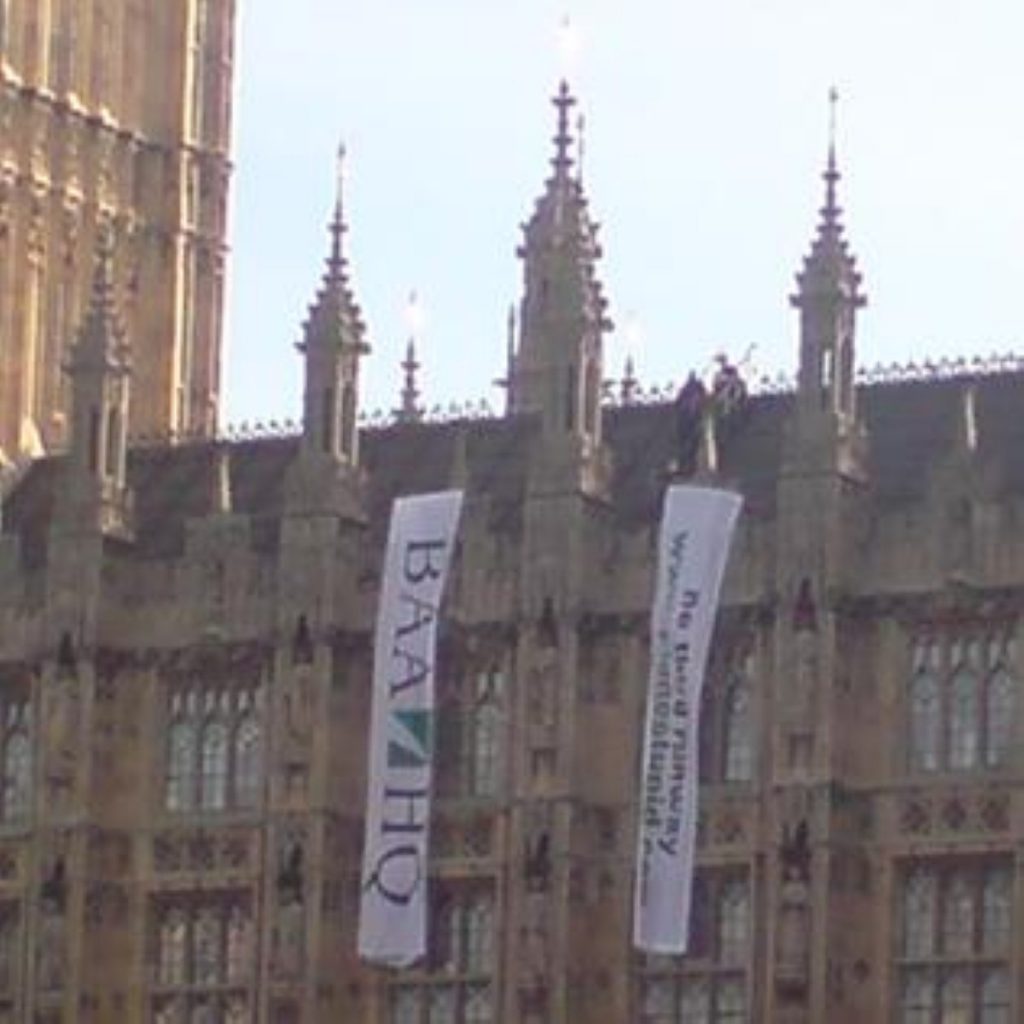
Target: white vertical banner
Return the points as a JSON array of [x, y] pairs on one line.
[[693, 546], [393, 904]]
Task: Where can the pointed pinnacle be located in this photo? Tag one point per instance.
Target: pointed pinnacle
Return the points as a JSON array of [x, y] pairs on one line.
[[103, 271], [831, 210], [338, 227], [564, 101], [628, 385], [409, 410]]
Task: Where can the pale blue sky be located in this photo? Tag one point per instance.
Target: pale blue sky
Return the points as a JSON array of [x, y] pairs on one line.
[[706, 134]]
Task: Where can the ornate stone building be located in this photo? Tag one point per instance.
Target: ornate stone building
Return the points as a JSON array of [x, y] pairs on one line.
[[185, 641], [113, 111]]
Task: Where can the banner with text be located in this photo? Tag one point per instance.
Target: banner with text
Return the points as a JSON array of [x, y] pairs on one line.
[[393, 905], [693, 545]]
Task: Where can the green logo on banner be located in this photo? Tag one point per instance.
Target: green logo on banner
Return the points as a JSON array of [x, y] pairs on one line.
[[412, 745]]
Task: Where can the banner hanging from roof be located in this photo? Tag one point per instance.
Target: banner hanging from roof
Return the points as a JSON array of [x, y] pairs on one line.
[[693, 546], [393, 904]]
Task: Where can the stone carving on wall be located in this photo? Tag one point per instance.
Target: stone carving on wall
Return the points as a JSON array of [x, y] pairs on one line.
[[793, 932], [535, 951], [51, 951], [290, 897], [188, 850], [960, 812], [62, 716], [800, 706]]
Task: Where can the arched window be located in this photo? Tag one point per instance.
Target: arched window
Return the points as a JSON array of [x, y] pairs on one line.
[[181, 765], [478, 1005], [925, 720], [17, 775], [170, 1011], [917, 997], [112, 461], [248, 761], [731, 1005], [214, 771], [405, 1006], [441, 1005], [94, 439], [996, 912], [919, 915], [738, 732], [695, 1001], [958, 916], [215, 749], [733, 923], [709, 984], [962, 701], [963, 718], [995, 996], [239, 947], [955, 996], [172, 941], [208, 948], [236, 1013], [203, 1012], [10, 947], [479, 935], [483, 756], [348, 420], [999, 716], [327, 414]]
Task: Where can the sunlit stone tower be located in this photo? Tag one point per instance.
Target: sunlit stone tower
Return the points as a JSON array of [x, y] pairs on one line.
[[115, 111]]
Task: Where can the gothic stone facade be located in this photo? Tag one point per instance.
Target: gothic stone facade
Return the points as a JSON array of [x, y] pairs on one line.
[[185, 659], [112, 113]]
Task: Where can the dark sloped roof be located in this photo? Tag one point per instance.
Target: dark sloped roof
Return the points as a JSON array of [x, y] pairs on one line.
[[911, 427]]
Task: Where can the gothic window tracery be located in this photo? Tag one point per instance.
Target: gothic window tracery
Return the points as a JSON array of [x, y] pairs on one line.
[[214, 760], [16, 758], [956, 931], [961, 701], [470, 730], [457, 989], [215, 751], [709, 984], [727, 726], [203, 962]]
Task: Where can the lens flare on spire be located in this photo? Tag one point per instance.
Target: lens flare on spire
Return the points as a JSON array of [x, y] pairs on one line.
[[568, 48], [414, 316]]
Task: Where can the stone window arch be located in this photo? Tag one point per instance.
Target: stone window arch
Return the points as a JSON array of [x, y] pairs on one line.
[[16, 759], [962, 700], [214, 748], [728, 723]]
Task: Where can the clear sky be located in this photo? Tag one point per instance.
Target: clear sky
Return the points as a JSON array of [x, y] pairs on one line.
[[706, 132]]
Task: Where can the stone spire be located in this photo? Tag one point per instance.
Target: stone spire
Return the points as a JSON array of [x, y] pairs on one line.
[[629, 384], [99, 372], [563, 315], [409, 410], [100, 340], [98, 369], [333, 342], [828, 296]]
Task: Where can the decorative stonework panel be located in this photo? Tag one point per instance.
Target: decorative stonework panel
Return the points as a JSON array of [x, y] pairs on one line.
[[959, 812]]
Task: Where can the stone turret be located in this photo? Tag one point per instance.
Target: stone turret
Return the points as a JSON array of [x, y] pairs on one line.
[[558, 368], [333, 344], [99, 374], [828, 296]]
